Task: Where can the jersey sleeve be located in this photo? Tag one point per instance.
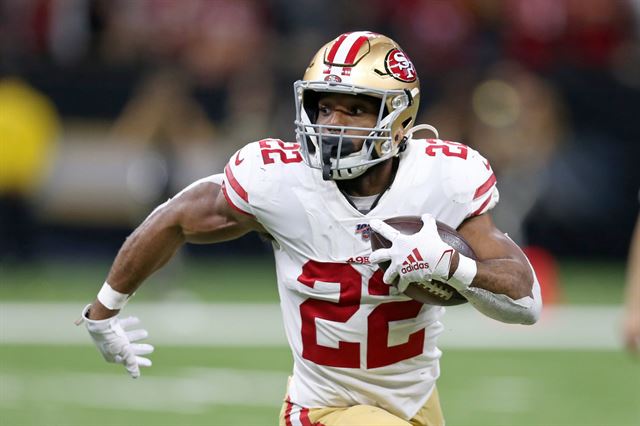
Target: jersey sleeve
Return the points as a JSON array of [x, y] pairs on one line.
[[238, 178], [485, 194], [471, 184]]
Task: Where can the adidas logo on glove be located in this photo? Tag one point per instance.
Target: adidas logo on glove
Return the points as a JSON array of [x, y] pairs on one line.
[[414, 263]]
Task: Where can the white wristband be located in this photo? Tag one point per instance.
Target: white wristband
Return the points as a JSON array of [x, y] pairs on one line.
[[464, 274], [111, 298]]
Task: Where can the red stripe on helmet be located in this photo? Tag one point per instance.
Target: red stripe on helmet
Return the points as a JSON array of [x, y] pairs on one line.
[[334, 49], [355, 48]]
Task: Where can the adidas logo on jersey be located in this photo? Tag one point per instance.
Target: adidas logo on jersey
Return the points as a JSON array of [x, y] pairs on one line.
[[414, 262]]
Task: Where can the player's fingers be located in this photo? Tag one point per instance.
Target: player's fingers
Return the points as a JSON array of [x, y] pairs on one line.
[[390, 276], [128, 359], [141, 348], [384, 229], [143, 362], [129, 321], [135, 335], [428, 221], [380, 255], [134, 371]]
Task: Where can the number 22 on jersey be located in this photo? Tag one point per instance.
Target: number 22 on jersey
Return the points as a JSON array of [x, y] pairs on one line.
[[347, 354], [274, 149]]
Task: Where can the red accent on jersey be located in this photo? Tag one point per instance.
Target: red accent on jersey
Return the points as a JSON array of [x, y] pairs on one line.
[[482, 189], [286, 152], [355, 48], [477, 212], [379, 353], [376, 285], [334, 49], [235, 184], [347, 354], [448, 148], [233, 206], [238, 159], [410, 259]]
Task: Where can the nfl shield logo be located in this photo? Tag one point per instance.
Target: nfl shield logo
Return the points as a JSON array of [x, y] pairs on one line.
[[364, 230]]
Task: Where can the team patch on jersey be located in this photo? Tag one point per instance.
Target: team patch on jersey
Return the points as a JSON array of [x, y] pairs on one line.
[[360, 260], [364, 230], [400, 66]]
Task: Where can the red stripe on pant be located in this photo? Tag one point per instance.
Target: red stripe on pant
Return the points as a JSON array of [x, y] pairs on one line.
[[287, 413], [304, 417]]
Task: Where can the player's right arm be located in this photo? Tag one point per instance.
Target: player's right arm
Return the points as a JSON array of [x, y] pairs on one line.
[[199, 215]]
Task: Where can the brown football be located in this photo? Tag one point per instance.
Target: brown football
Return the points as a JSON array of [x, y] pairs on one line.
[[434, 292]]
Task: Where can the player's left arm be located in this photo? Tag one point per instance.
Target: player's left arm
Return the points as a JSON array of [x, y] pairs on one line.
[[502, 267], [501, 283]]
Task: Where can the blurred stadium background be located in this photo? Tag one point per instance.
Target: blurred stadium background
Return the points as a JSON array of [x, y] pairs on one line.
[[108, 107]]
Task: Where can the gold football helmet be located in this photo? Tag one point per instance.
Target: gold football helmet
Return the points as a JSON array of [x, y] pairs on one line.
[[357, 63]]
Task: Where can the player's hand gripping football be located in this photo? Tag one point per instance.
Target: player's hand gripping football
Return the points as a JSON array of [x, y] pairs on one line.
[[420, 257], [117, 345]]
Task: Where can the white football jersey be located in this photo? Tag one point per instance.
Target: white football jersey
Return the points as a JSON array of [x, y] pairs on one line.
[[354, 339]]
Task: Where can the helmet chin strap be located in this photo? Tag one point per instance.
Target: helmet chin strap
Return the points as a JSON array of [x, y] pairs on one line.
[[330, 145]]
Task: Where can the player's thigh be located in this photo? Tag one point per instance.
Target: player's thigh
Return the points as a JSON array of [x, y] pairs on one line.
[[357, 415], [431, 412], [293, 415], [429, 415]]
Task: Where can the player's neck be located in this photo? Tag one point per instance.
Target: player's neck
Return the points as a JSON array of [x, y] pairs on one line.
[[374, 181]]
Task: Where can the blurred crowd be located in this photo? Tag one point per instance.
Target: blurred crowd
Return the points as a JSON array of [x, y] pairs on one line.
[[109, 106]]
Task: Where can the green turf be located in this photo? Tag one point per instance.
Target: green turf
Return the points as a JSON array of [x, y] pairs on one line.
[[230, 280], [540, 388], [211, 280], [477, 387], [592, 282]]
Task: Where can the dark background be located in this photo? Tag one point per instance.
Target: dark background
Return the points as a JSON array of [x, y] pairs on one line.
[[547, 90]]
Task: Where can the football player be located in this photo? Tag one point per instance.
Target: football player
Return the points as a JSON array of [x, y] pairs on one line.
[[631, 321], [364, 353]]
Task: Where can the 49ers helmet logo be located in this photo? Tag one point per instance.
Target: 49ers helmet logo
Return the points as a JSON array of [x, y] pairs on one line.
[[400, 66]]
